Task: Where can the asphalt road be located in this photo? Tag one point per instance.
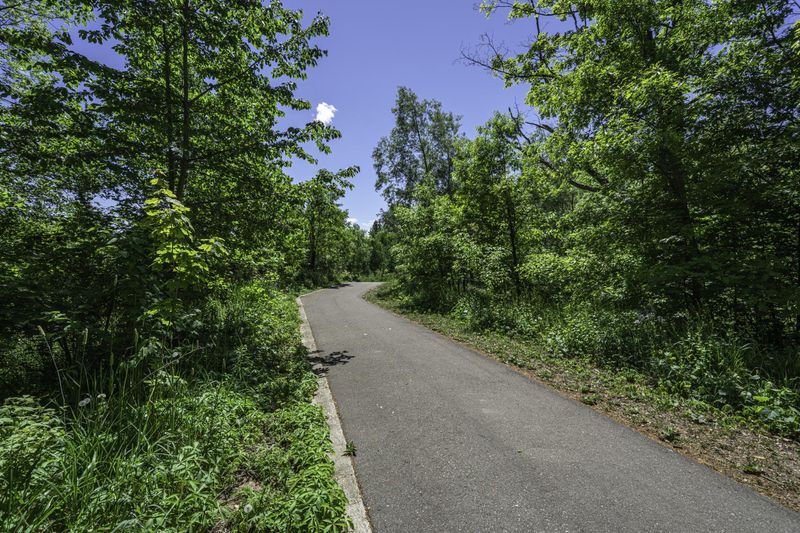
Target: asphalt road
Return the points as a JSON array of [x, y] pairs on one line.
[[449, 440]]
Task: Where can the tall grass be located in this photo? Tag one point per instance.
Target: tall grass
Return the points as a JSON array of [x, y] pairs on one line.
[[225, 438]]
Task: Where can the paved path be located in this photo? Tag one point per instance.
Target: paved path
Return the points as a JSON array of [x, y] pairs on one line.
[[449, 440]]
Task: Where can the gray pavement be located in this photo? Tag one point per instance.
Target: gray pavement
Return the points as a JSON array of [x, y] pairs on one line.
[[448, 440]]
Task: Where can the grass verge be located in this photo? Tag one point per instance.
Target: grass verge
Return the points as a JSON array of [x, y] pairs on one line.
[[726, 442], [178, 449]]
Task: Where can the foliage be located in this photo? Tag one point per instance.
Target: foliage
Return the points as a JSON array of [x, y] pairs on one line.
[[149, 356], [115, 460], [162, 465], [252, 334], [421, 148], [334, 247], [661, 123], [175, 256], [642, 214]]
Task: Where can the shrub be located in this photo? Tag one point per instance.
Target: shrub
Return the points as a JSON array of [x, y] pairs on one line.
[[253, 334], [164, 465], [25, 365], [691, 356], [219, 435]]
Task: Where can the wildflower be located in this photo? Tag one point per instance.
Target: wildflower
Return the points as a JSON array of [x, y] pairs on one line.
[[86, 401], [248, 509], [101, 396]]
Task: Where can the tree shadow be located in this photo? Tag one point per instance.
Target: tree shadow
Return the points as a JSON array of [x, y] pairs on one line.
[[338, 285], [320, 364]]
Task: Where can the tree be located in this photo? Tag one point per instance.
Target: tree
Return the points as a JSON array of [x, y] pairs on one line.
[[196, 106], [51, 226], [204, 87], [657, 111], [420, 147], [326, 228], [488, 172], [381, 240], [434, 254]]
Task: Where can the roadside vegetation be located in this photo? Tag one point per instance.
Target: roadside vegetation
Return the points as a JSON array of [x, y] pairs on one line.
[[151, 371], [632, 236], [640, 216], [735, 445]]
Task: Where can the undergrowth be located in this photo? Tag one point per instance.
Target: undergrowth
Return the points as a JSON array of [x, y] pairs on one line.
[[213, 436], [687, 358]]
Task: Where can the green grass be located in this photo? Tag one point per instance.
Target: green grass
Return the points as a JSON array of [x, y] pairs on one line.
[[350, 449], [195, 455], [183, 448]]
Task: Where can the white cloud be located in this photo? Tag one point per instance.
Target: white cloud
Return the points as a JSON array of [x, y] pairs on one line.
[[325, 113], [366, 226]]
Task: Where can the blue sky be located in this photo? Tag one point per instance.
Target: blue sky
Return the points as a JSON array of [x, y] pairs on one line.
[[376, 46]]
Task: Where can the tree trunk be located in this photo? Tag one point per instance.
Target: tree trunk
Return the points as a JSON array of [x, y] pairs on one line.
[[170, 153], [511, 218], [422, 148], [312, 244], [185, 103], [670, 167], [797, 273]]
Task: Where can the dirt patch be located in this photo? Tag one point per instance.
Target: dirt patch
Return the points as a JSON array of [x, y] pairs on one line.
[[232, 499]]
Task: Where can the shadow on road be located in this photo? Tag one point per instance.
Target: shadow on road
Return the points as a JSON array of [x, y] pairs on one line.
[[338, 286], [321, 363]]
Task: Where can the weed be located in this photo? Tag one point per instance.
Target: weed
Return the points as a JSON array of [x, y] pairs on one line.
[[697, 418], [350, 449], [155, 450], [754, 469], [590, 399], [670, 434]]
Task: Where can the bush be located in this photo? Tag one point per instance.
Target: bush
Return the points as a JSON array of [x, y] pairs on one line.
[[253, 334], [689, 356], [163, 465], [219, 435], [606, 336], [303, 495], [23, 366]]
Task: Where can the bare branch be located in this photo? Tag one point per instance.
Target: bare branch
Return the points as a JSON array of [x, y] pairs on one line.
[[545, 127], [582, 186]]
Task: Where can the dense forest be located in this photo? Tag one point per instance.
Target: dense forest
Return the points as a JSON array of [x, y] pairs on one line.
[[150, 363], [642, 210]]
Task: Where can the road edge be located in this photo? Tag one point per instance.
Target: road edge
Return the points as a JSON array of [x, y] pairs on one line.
[[641, 430], [344, 472]]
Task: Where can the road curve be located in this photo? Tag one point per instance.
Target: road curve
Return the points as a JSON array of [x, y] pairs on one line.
[[449, 440]]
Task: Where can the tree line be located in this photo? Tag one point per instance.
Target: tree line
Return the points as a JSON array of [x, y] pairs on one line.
[[150, 238], [134, 192], [643, 209]]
